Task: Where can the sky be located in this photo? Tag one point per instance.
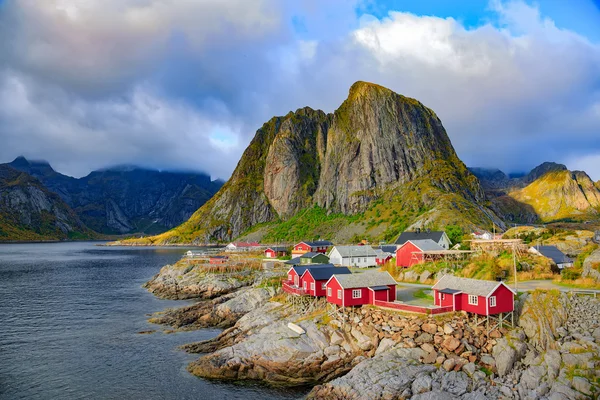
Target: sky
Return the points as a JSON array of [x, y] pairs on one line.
[[185, 84]]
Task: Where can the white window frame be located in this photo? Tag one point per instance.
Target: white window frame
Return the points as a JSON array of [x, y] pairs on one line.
[[443, 296], [290, 277], [356, 293], [304, 285], [339, 293], [329, 291], [493, 301], [323, 286], [473, 300], [312, 286]]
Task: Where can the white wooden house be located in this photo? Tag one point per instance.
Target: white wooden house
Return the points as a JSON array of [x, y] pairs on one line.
[[353, 256]]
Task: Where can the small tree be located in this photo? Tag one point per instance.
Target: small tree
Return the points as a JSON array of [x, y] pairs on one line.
[[455, 233]]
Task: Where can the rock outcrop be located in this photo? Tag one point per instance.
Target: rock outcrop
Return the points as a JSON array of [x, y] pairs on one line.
[[377, 145], [591, 266]]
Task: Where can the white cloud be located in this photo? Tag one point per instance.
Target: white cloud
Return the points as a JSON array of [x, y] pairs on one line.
[[186, 84]]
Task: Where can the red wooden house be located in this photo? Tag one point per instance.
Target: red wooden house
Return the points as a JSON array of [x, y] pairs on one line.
[[294, 283], [360, 288], [411, 252], [384, 254], [275, 251], [319, 246], [474, 295], [314, 279]]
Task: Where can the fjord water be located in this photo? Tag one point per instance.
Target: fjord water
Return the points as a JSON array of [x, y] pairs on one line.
[[70, 314]]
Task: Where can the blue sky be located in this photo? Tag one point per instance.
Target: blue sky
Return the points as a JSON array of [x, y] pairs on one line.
[[185, 85]]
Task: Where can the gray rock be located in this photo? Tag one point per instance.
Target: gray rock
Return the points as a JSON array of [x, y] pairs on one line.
[[336, 338], [488, 360], [532, 376], [384, 345], [469, 368], [421, 384], [553, 361], [582, 385], [456, 383], [505, 356], [435, 395], [424, 276], [449, 364]]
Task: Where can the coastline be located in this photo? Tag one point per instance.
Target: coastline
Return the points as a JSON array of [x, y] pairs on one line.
[[348, 353]]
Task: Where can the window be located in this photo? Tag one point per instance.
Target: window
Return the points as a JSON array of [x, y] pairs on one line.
[[329, 291], [289, 277], [473, 300], [443, 296], [312, 286], [356, 294], [339, 294], [365, 260], [493, 301], [323, 286], [304, 285]]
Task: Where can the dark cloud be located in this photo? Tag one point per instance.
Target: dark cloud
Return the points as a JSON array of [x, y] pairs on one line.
[[185, 85]]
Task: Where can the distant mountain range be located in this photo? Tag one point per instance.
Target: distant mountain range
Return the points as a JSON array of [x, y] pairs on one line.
[[550, 192], [118, 200]]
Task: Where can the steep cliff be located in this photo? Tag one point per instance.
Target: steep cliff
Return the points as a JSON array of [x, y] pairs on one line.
[[29, 211], [378, 154], [126, 199]]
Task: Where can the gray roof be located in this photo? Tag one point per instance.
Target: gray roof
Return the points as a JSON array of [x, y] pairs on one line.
[[553, 253], [277, 248], [476, 287], [412, 236], [319, 243], [389, 248], [293, 261], [365, 279], [323, 274], [427, 245], [382, 254], [356, 251], [301, 268]]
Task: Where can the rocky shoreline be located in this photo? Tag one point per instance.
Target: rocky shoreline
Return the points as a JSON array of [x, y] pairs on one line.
[[370, 353]]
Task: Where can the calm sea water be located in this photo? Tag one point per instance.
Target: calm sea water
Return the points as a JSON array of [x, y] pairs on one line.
[[69, 317]]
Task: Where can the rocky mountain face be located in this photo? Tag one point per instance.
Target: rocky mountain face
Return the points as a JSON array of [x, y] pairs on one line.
[[494, 180], [561, 194], [29, 211], [376, 145], [547, 193], [127, 199]]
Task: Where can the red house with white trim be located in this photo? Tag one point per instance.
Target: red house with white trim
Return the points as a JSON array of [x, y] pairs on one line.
[[294, 277], [360, 288], [411, 252], [319, 246], [275, 251], [315, 279], [474, 295]]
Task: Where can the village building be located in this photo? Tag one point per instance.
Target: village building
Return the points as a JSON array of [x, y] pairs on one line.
[[242, 246], [353, 256], [437, 236], [294, 283], [483, 235], [276, 251], [382, 257], [557, 257], [218, 259], [314, 258], [319, 246], [474, 295], [314, 279], [358, 289], [412, 252], [195, 254]]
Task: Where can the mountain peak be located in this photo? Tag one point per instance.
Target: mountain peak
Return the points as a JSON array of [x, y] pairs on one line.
[[543, 169]]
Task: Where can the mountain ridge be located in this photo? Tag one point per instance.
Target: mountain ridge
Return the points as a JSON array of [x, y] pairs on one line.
[[119, 200], [349, 162]]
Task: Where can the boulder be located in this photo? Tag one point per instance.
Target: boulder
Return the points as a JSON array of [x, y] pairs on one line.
[[424, 276], [429, 328], [505, 356], [385, 344], [582, 385], [451, 343], [421, 384], [456, 383]]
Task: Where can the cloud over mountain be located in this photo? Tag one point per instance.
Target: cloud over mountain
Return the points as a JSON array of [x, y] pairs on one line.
[[174, 84]]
